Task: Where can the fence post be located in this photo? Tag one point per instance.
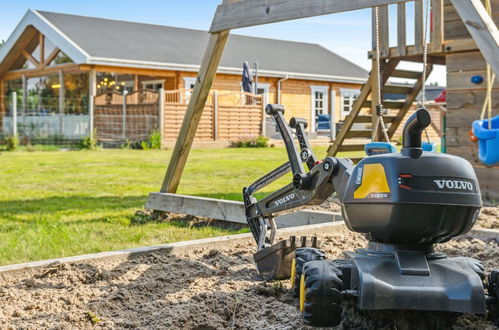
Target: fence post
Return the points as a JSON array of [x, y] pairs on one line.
[[14, 113], [61, 103], [264, 116], [161, 123], [91, 117], [123, 121], [92, 77], [215, 115]]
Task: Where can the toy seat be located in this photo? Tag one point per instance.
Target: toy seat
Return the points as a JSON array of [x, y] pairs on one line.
[[378, 148], [488, 140], [429, 146]]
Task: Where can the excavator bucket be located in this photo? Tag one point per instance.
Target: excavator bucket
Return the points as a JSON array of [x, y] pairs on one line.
[[274, 262]]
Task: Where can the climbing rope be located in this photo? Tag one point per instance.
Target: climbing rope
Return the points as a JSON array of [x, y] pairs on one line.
[[422, 101], [425, 53], [491, 77], [379, 106]]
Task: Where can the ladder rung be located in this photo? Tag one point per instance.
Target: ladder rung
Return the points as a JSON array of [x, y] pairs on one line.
[[359, 134], [368, 119], [386, 104], [351, 147], [397, 89], [406, 74]]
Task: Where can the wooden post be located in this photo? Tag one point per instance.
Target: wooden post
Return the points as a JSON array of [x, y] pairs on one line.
[[91, 92], [61, 102], [161, 124], [215, 115], [194, 111], [418, 25], [264, 115], [41, 43], [25, 99], [401, 29], [383, 29], [437, 33], [14, 114], [123, 118]]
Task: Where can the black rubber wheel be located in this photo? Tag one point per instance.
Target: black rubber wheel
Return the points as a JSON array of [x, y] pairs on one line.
[[493, 291], [302, 256], [320, 300]]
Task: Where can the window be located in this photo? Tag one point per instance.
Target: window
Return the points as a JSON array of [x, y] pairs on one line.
[[189, 82], [152, 85], [263, 89], [320, 104], [348, 97]]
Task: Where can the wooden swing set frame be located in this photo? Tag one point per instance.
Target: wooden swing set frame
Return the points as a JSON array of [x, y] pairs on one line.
[[233, 14]]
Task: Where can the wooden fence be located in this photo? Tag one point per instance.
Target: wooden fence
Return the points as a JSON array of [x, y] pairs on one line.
[[227, 116]]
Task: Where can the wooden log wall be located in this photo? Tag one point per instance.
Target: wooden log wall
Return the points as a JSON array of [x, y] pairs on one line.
[[465, 100]]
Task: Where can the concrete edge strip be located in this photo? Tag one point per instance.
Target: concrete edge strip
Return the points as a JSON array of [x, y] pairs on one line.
[[482, 234], [177, 246]]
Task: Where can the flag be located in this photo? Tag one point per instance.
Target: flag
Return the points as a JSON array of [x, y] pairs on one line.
[[247, 79]]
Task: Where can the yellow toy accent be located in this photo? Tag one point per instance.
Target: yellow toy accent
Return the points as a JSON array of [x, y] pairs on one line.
[[302, 293], [373, 181], [293, 273]]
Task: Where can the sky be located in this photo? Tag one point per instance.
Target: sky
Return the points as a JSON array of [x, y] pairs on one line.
[[347, 34]]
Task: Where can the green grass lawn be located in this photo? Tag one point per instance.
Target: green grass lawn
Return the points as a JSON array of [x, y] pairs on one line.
[[63, 203]]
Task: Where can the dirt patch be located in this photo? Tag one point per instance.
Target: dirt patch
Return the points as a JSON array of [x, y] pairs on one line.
[[489, 217], [215, 287]]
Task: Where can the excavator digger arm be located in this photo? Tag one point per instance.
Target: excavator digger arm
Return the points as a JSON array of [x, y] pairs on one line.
[[307, 188]]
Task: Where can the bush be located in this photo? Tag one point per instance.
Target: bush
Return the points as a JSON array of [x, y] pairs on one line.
[[88, 143], [12, 143], [259, 142], [155, 140]]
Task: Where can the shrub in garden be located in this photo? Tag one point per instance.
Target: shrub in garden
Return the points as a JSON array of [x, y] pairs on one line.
[[12, 143], [259, 142]]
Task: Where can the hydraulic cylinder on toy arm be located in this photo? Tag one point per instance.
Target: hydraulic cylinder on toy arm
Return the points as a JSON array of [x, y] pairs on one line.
[[307, 188]]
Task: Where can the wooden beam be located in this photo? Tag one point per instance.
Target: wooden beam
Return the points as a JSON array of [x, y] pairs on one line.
[[383, 30], [482, 29], [418, 25], [194, 111], [30, 58], [231, 211], [41, 43], [401, 29], [437, 33], [257, 12], [128, 70], [70, 67], [52, 56], [26, 37]]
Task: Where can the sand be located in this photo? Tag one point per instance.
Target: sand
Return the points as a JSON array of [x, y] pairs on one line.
[[216, 287]]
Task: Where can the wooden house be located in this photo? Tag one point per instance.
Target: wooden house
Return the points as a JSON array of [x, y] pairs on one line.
[[68, 59]]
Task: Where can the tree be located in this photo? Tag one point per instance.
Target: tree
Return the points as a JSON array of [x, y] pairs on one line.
[[2, 42]]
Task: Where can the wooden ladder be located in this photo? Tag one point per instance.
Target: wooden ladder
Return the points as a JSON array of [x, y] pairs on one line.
[[353, 138]]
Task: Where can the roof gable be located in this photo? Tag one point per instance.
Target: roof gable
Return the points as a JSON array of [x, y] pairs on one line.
[[92, 40]]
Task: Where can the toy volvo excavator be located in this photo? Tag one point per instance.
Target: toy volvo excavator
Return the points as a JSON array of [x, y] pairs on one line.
[[404, 203]]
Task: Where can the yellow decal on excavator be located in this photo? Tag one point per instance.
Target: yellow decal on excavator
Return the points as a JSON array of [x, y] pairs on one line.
[[374, 183]]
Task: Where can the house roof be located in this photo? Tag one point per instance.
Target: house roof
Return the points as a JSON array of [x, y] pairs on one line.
[[90, 40]]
